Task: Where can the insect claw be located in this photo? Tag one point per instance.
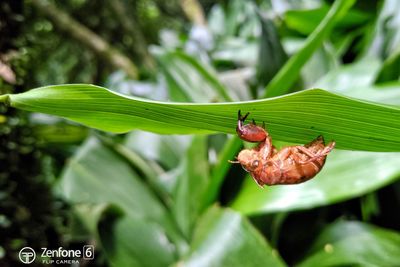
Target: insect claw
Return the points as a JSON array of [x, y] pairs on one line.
[[254, 122], [263, 125], [240, 118], [321, 139], [233, 161]]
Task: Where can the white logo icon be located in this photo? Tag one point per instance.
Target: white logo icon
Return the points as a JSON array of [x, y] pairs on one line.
[[27, 255]]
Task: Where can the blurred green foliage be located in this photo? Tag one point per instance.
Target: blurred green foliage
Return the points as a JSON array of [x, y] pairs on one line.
[[156, 200]]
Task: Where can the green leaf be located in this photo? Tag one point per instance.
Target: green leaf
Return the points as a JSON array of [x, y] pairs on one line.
[[271, 55], [390, 70], [388, 93], [88, 216], [297, 117], [285, 78], [305, 21], [165, 149], [345, 175], [354, 244], [190, 81], [89, 173], [239, 51], [225, 238], [191, 185], [386, 34], [132, 242], [351, 76], [89, 179]]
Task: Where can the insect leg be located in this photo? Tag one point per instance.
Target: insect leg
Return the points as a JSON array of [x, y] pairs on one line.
[[314, 156], [266, 148]]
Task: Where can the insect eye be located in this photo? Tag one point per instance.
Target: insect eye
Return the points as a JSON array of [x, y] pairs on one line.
[[255, 163]]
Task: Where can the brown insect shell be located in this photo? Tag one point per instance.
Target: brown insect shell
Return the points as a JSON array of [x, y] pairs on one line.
[[251, 132], [250, 160]]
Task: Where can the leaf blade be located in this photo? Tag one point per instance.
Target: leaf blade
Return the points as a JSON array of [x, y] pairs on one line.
[[355, 243], [285, 78], [298, 117], [225, 238]]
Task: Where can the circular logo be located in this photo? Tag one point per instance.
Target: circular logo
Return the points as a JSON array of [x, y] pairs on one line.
[[27, 255]]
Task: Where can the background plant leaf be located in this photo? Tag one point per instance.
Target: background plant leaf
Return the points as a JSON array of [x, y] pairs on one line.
[[354, 243], [190, 81], [88, 173], [271, 55], [224, 238], [167, 150], [115, 233], [305, 21], [390, 70], [191, 185], [130, 241], [289, 73]]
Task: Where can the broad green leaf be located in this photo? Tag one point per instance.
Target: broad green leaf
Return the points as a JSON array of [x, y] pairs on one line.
[[132, 242], [297, 118], [126, 241], [216, 20], [237, 50], [225, 238], [388, 93], [271, 55], [97, 175], [237, 82], [237, 16], [305, 21], [323, 61], [354, 244], [356, 80], [386, 35], [89, 172], [190, 81], [165, 149], [149, 170], [390, 70], [88, 216], [345, 175], [351, 76], [191, 185], [285, 78]]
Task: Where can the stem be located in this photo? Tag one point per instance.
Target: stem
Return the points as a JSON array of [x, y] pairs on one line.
[[85, 36]]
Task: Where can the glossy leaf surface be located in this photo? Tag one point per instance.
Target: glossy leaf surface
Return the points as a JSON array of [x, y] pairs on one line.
[[298, 117]]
